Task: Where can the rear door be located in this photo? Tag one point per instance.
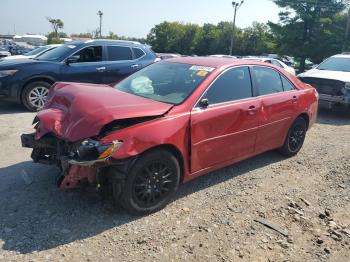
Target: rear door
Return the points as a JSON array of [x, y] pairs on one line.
[[89, 67], [226, 129], [121, 62], [279, 100]]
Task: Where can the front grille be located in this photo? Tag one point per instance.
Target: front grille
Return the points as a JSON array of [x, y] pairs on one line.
[[325, 86]]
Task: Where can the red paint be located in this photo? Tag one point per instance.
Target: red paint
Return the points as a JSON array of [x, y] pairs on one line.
[[76, 111], [216, 137], [76, 175]]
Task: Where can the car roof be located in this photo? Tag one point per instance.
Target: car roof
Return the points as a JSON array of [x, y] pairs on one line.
[[342, 55], [106, 42], [215, 62]]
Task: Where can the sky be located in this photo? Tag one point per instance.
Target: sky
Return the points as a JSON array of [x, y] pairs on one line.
[[133, 18]]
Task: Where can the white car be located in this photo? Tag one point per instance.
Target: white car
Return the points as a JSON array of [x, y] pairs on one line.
[[332, 80], [224, 56], [34, 53], [4, 53], [275, 62]]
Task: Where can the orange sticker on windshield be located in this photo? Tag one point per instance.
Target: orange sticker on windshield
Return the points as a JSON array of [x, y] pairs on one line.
[[202, 73]]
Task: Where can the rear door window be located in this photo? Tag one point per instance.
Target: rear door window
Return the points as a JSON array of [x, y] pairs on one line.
[[267, 80], [234, 84], [119, 53]]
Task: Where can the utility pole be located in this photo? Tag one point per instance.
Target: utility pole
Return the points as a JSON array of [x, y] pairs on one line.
[[100, 14], [347, 31], [236, 6]]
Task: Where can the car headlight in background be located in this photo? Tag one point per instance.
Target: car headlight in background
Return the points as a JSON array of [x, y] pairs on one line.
[[91, 150], [347, 86], [4, 73]]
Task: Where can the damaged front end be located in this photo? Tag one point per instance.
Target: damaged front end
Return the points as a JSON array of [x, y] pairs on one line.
[[79, 162], [69, 134]]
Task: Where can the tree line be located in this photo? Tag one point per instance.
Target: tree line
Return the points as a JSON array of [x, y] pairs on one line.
[[313, 29]]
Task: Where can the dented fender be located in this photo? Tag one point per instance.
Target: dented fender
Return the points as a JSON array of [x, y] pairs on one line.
[[171, 131]]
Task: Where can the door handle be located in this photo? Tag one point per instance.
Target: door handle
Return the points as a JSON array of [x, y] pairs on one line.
[[252, 110], [134, 66], [101, 69], [295, 99]]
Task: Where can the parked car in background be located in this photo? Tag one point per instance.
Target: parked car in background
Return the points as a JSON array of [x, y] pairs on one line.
[[275, 62], [170, 123], [163, 56], [33, 53], [28, 81], [308, 64], [224, 56], [4, 52], [332, 80]]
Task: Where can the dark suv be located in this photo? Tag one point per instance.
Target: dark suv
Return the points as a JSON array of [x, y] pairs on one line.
[[28, 81]]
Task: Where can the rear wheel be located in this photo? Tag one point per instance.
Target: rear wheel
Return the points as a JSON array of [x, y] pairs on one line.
[[34, 95], [295, 138], [151, 183]]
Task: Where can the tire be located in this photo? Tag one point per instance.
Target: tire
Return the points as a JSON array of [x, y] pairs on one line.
[[295, 138], [34, 95], [150, 184]]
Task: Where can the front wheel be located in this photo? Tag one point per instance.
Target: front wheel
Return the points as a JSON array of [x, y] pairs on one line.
[[34, 95], [152, 181], [295, 138]]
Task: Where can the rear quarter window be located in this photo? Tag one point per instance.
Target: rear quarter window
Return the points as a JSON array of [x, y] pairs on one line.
[[119, 53], [138, 52]]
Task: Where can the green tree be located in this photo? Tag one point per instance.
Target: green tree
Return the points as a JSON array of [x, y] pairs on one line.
[[306, 28], [256, 40], [56, 24], [52, 39]]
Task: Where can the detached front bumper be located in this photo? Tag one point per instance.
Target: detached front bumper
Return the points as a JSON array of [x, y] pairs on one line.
[[47, 151], [75, 170], [330, 101]]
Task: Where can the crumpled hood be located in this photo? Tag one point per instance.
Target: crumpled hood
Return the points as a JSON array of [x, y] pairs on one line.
[[77, 111], [325, 74]]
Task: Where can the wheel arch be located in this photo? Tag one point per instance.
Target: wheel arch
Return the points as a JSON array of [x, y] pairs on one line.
[[43, 78], [174, 151], [306, 117]]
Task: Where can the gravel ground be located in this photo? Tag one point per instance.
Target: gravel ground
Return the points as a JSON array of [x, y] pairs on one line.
[[210, 219]]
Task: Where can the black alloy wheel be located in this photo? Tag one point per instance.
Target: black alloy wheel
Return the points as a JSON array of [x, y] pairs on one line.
[[295, 138], [151, 182]]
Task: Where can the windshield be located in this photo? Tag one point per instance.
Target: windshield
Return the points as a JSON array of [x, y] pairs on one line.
[[165, 82], [336, 64], [57, 54], [36, 51]]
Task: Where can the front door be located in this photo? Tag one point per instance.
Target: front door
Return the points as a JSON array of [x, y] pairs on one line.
[[88, 68], [226, 129]]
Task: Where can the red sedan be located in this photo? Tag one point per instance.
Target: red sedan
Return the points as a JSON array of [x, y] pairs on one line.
[[169, 123]]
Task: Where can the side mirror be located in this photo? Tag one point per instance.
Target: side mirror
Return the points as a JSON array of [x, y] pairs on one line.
[[204, 103], [72, 59]]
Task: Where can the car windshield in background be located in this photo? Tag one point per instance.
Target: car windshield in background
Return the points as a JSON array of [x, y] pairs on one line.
[[165, 82], [36, 51], [57, 54], [335, 64]]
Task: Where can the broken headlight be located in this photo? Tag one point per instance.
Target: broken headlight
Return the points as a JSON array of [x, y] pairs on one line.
[[347, 86], [91, 150]]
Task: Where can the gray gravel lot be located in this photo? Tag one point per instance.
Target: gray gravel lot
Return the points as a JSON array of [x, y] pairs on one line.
[[210, 219]]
